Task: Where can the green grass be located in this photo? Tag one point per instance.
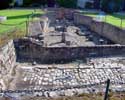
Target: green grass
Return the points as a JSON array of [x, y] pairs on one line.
[[114, 19], [15, 17]]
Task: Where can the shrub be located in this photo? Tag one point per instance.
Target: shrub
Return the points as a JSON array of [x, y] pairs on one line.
[[67, 3], [111, 5]]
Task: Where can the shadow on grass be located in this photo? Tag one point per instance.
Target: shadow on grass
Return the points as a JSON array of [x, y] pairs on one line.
[[23, 16], [118, 16], [113, 15], [91, 14]]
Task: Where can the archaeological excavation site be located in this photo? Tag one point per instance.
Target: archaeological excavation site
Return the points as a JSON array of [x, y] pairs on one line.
[[65, 54]]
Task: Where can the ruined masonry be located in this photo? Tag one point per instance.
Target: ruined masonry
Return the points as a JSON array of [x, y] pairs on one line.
[[65, 54]]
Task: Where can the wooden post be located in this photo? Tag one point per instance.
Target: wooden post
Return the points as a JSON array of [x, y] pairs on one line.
[[121, 23], [107, 89], [27, 28]]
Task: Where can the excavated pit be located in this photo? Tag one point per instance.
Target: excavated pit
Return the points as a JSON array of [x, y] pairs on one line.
[[61, 58]]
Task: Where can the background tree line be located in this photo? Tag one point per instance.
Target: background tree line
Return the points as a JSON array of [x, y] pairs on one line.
[[105, 5]]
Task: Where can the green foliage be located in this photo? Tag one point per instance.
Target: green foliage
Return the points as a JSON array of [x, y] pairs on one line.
[[111, 5], [30, 2], [42, 2], [27, 2], [113, 19], [15, 17], [89, 5], [67, 3], [5, 3]]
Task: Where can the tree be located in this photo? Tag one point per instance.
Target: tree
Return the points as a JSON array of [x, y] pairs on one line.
[[37, 2], [5, 3], [67, 3], [27, 2], [111, 5], [42, 2]]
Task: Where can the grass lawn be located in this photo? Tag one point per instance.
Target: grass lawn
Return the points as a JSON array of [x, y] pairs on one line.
[[114, 19], [15, 17]]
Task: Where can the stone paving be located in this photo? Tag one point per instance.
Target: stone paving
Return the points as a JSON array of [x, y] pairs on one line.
[[80, 74], [71, 77]]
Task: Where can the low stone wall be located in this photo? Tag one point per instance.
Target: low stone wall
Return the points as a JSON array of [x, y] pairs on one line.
[[109, 31], [118, 34], [7, 61], [34, 52], [80, 19], [7, 56]]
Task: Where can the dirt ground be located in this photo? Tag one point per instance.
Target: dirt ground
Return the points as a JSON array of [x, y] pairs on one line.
[[99, 96]]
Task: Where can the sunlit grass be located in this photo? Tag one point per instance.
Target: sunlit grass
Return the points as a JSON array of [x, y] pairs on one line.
[[16, 18], [15, 25], [114, 19]]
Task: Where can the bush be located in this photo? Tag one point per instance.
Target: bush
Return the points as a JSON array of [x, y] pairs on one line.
[[111, 5], [67, 3], [5, 3]]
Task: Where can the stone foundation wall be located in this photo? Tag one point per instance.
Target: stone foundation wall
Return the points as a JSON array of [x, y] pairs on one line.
[[80, 19], [29, 51], [109, 31], [7, 57], [7, 62]]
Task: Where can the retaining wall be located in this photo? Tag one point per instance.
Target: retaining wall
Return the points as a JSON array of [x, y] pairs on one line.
[[34, 52], [7, 58], [81, 19], [109, 31]]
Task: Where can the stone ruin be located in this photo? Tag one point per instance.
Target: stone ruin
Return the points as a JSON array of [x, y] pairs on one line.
[[61, 58], [62, 25]]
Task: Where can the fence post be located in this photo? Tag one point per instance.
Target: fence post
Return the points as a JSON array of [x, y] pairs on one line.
[[121, 23], [27, 30], [107, 89], [105, 18]]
